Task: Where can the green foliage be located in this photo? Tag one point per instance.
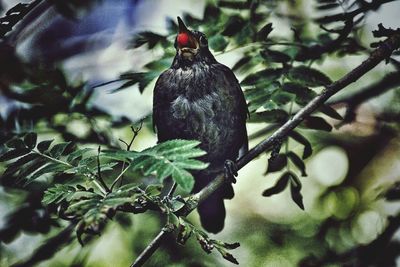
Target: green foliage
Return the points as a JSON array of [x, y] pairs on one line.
[[172, 158], [90, 207], [280, 76]]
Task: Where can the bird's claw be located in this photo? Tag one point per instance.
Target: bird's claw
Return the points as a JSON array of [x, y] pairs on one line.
[[231, 171]]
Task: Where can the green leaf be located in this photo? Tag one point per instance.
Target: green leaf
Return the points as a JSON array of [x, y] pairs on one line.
[[261, 97], [275, 56], [191, 164], [50, 168], [295, 187], [217, 43], [15, 153], [142, 78], [277, 163], [269, 116], [298, 162], [308, 76], [183, 178], [30, 168], [77, 153], [147, 37], [30, 140], [327, 110], [263, 33], [233, 25], [92, 210], [159, 64], [57, 194], [44, 145], [234, 4], [263, 77], [171, 158], [57, 150], [302, 140], [303, 94], [279, 186], [15, 166], [317, 123], [15, 143], [242, 62], [153, 189], [282, 98]]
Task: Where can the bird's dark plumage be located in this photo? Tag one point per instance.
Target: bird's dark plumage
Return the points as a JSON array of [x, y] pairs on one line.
[[199, 98]]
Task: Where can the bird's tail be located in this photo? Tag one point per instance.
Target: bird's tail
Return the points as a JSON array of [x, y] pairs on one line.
[[212, 213], [212, 210]]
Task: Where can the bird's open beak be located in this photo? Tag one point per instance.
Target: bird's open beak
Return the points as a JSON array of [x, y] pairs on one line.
[[191, 46], [181, 26]]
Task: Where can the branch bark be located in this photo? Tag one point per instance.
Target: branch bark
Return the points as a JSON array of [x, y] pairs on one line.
[[381, 53]]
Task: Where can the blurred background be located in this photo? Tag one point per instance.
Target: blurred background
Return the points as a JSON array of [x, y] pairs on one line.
[[348, 220]]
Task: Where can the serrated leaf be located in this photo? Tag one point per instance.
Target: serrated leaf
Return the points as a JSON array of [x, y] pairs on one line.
[[183, 178], [29, 168], [58, 149], [15, 166], [261, 97], [78, 153], [57, 194], [44, 145], [298, 162], [191, 164], [279, 186], [30, 140], [308, 76], [50, 168], [13, 154], [170, 158]]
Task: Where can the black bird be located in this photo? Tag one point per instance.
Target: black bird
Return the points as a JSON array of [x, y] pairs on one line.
[[198, 98]]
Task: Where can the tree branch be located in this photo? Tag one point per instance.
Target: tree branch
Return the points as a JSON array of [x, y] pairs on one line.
[[381, 53]]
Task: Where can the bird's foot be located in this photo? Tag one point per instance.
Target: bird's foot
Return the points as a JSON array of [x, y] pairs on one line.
[[231, 171]]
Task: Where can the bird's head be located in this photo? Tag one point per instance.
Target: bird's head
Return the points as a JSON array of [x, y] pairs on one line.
[[191, 46]]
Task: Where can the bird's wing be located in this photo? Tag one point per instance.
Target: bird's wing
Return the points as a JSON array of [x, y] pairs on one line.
[[159, 102], [236, 90]]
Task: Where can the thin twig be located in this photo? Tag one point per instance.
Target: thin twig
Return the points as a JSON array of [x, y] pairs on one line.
[[128, 148], [172, 190], [376, 56], [150, 249]]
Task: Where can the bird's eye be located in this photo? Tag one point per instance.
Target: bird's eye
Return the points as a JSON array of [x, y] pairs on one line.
[[203, 41]]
